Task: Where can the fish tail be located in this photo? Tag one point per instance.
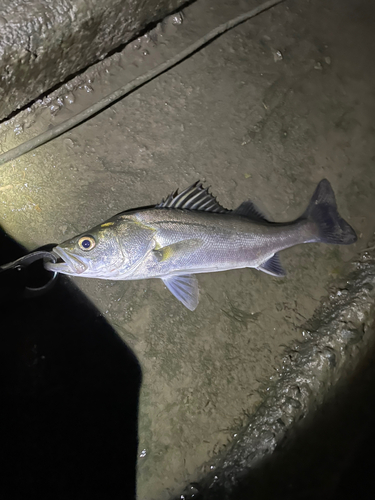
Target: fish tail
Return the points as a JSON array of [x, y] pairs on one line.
[[330, 226]]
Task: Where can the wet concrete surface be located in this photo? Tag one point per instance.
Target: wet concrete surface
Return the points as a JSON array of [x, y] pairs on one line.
[[325, 456], [43, 42], [264, 112], [316, 419]]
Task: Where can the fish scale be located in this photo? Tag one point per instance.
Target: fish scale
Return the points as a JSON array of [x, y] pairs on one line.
[[191, 233], [242, 242]]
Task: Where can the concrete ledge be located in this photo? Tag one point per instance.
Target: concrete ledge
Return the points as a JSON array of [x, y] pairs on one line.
[[43, 42], [341, 335]]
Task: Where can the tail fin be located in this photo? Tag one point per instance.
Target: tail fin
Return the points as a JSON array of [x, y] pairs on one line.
[[322, 210]]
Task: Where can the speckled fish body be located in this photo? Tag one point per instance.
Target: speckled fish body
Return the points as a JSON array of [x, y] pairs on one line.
[[190, 233]]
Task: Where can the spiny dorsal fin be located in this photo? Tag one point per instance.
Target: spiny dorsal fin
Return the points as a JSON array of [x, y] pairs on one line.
[[194, 197], [249, 210]]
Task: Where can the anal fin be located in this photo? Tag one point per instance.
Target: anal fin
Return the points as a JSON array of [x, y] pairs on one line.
[[273, 266], [185, 289]]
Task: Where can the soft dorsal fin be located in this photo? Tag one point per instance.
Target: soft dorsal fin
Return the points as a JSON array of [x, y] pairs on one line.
[[194, 197], [249, 210]]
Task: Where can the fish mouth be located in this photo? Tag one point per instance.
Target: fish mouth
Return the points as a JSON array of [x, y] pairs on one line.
[[65, 263]]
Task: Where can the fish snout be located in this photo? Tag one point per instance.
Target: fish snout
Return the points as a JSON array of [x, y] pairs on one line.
[[65, 262]]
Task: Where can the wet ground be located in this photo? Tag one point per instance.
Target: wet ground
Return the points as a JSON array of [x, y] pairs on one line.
[[264, 112]]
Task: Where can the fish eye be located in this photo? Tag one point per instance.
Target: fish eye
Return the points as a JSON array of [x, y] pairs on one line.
[[86, 243]]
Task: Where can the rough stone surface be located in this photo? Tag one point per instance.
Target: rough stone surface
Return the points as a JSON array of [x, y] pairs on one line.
[[312, 370], [264, 112], [43, 42]]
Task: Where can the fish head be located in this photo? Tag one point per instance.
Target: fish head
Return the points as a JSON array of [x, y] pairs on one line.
[[94, 254]]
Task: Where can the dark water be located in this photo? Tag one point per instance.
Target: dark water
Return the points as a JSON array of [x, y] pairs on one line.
[[69, 392]]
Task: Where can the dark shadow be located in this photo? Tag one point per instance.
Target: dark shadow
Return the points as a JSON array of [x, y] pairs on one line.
[[69, 390], [329, 456]]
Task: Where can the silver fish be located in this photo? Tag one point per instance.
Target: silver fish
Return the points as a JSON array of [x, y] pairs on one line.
[[190, 233]]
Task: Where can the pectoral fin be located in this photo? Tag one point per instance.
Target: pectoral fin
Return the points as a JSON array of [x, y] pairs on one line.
[[273, 266], [185, 289]]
